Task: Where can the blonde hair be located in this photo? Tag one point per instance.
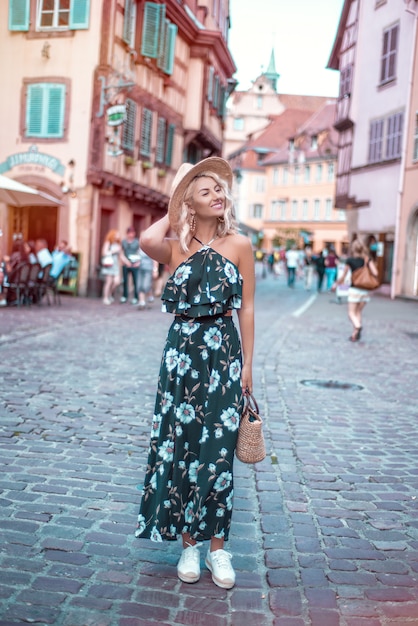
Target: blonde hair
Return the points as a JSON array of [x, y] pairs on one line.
[[111, 236], [226, 226], [358, 248]]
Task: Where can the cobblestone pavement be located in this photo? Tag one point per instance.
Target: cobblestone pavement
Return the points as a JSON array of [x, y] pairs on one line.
[[325, 530]]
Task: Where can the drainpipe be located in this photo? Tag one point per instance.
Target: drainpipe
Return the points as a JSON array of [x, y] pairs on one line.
[[396, 251]]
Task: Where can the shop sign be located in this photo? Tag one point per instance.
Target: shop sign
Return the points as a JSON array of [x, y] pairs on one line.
[[116, 115], [32, 157]]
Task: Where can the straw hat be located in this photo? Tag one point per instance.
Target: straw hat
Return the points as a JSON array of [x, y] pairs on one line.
[[186, 173]]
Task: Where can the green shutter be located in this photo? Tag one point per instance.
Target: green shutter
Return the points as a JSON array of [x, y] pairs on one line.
[[45, 110], [128, 134], [19, 14], [151, 29], [34, 108], [169, 49], [169, 144], [210, 83], [79, 14], [146, 129], [55, 111], [162, 32], [161, 133]]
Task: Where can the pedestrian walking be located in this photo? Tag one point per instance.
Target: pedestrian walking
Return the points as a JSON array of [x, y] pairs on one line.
[[292, 264], [357, 298], [130, 263], [319, 260], [204, 372], [331, 261], [111, 250], [308, 267], [145, 275]]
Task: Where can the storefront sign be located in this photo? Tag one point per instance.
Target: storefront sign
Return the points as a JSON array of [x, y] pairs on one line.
[[32, 157], [116, 115]]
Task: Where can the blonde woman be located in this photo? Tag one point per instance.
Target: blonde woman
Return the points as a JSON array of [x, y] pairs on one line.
[[205, 370], [111, 250], [357, 298]]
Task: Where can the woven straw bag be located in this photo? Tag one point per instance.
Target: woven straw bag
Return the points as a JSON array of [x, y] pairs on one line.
[[250, 445]]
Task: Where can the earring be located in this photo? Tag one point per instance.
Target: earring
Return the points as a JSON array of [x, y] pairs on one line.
[[221, 220], [192, 223]]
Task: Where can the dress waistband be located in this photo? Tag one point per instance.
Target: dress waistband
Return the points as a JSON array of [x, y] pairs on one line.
[[202, 318]]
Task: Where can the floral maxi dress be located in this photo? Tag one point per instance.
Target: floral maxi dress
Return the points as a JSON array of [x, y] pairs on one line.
[[188, 485]]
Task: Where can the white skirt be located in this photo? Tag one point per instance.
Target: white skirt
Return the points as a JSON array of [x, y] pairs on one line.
[[356, 295]]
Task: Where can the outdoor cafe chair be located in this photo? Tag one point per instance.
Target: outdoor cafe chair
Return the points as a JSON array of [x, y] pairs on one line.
[[44, 284], [17, 284]]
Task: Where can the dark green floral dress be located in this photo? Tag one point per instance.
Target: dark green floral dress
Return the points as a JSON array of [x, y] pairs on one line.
[[189, 477]]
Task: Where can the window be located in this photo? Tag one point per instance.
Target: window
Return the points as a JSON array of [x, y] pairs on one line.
[[161, 133], [394, 136], [296, 174], [128, 133], [415, 154], [305, 209], [210, 83], [307, 173], [238, 123], [317, 207], [45, 106], [331, 171], [341, 215], [169, 144], [345, 81], [314, 142], [260, 184], [129, 22], [274, 209], [158, 36], [283, 210], [389, 53], [285, 175], [328, 209], [50, 15], [257, 210], [375, 141], [319, 173], [146, 131], [275, 176], [385, 138], [294, 209], [259, 101]]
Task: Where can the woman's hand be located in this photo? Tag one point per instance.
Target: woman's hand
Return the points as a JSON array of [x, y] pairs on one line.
[[246, 379]]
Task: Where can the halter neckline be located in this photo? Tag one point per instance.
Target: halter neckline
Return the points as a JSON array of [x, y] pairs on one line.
[[205, 244]]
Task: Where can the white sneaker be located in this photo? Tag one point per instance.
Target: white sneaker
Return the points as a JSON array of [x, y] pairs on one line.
[[219, 563], [107, 301], [123, 300], [188, 567], [134, 301]]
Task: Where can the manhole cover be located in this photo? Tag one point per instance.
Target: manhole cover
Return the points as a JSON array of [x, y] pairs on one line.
[[330, 384]]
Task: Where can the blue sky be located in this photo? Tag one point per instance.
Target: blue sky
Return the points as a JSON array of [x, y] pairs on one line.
[[301, 32]]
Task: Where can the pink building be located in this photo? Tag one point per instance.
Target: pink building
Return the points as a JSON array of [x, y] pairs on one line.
[[375, 52]]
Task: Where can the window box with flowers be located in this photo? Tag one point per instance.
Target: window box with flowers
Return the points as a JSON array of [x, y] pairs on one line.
[[162, 173], [146, 165]]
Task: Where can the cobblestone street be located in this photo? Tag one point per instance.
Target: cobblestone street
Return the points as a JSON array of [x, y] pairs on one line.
[[325, 529]]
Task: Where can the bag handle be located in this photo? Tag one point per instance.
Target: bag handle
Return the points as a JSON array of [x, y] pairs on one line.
[[250, 402]]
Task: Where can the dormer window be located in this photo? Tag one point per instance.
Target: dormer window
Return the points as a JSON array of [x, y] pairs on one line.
[[314, 142]]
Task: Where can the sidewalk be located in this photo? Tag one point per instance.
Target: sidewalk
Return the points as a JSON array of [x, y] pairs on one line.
[[325, 530]]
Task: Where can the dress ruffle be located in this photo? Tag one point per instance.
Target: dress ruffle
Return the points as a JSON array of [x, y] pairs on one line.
[[205, 284]]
